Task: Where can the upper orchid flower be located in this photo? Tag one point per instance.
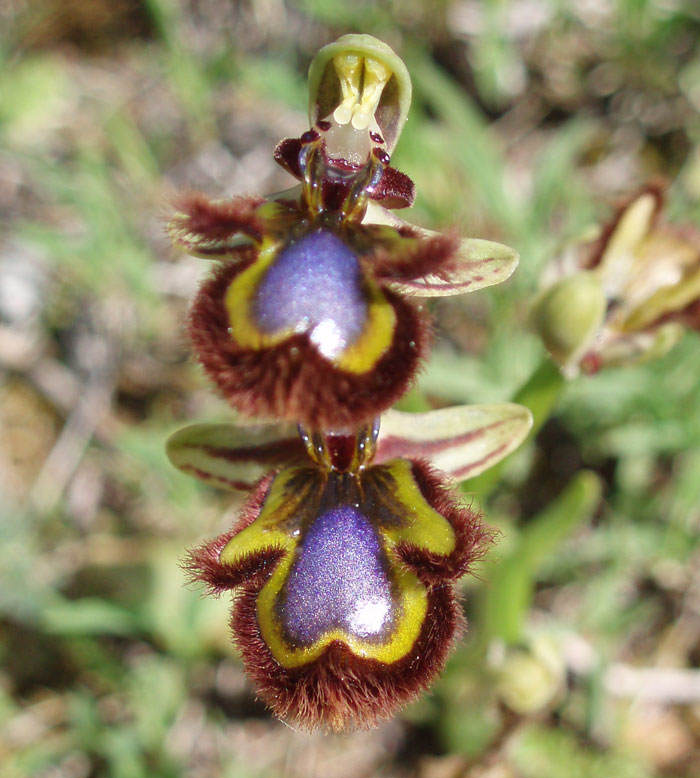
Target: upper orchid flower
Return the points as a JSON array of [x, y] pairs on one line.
[[309, 317], [626, 296], [346, 552]]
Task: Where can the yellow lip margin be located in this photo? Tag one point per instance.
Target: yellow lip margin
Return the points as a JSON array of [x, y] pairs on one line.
[[423, 526]]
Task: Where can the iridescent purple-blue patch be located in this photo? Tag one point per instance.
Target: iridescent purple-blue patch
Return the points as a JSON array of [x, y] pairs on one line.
[[315, 286], [338, 580]]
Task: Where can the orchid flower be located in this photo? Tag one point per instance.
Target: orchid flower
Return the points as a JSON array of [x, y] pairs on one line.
[[345, 556], [310, 314]]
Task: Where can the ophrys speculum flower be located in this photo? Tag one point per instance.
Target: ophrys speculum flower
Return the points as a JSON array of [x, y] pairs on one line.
[[345, 556], [310, 317]]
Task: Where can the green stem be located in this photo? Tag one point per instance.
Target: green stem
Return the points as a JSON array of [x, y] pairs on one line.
[[508, 596], [540, 393]]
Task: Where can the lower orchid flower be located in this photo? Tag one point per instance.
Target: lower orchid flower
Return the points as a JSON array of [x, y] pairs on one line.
[[345, 556]]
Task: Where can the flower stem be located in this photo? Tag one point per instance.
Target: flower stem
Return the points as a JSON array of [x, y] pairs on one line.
[[540, 393]]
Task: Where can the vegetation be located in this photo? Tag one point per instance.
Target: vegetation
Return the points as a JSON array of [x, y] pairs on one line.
[[530, 118]]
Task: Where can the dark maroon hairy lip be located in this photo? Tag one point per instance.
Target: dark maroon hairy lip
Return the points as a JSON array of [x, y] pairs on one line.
[[340, 690], [292, 380]]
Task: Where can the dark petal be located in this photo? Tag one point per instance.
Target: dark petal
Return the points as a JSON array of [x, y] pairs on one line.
[[213, 228], [339, 690], [472, 537], [415, 257], [292, 380], [287, 155], [203, 563], [394, 190]]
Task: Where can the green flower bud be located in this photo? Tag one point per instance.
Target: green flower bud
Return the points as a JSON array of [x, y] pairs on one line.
[[568, 315], [530, 679]]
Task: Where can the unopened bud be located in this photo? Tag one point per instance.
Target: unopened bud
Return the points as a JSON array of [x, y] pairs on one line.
[[568, 315], [531, 678]]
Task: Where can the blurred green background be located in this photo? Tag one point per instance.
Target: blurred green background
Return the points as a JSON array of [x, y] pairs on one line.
[[530, 118]]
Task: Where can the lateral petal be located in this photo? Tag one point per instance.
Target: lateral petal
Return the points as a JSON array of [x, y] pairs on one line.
[[214, 229]]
